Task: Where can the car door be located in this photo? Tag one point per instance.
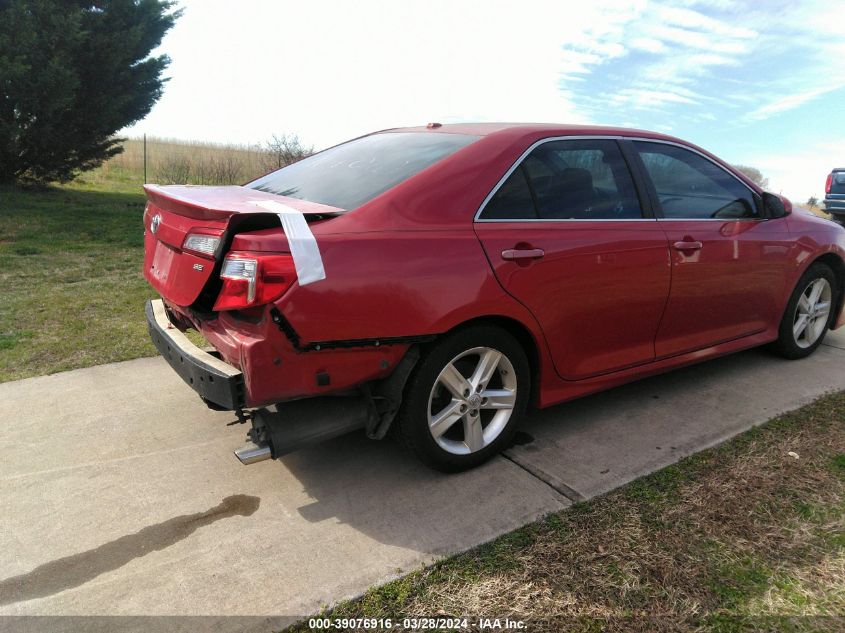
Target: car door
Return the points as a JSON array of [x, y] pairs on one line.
[[566, 236], [727, 259]]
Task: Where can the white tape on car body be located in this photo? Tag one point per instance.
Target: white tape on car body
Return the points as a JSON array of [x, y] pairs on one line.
[[303, 244]]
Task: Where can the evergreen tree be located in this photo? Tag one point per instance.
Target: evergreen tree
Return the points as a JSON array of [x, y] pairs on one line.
[[73, 73]]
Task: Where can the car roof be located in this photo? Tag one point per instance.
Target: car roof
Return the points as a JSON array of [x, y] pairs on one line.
[[514, 130], [467, 175]]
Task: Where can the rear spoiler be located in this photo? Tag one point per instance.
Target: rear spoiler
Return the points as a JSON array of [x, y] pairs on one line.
[[217, 203]]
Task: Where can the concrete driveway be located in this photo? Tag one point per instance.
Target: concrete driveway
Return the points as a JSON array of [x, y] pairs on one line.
[[119, 493]]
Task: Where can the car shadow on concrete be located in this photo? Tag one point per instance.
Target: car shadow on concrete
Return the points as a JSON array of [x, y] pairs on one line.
[[589, 445]]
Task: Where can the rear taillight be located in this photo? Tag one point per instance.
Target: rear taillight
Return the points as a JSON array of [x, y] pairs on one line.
[[828, 183], [201, 244], [253, 279]]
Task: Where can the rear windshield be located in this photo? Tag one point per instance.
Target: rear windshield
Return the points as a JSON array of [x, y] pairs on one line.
[[838, 184], [351, 174]]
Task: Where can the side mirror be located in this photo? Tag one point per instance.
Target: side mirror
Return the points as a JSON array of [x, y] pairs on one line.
[[776, 206]]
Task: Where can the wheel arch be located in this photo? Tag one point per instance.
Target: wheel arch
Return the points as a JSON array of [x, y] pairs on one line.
[[834, 261]]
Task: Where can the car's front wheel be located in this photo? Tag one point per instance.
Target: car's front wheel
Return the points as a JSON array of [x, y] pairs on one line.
[[465, 398], [808, 313]]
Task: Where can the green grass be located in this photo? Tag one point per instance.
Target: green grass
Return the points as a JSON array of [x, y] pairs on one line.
[[70, 269], [742, 537]]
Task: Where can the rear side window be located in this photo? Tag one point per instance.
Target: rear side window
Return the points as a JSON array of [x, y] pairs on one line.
[[354, 173], [690, 186], [568, 180], [513, 200]]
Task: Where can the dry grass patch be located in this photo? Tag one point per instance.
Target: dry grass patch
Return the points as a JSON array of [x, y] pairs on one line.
[[171, 161], [742, 537]]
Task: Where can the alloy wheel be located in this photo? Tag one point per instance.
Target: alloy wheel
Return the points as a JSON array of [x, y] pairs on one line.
[[472, 400], [811, 313]]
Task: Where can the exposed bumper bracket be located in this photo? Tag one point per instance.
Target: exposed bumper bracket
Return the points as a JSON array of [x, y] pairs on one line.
[[213, 379]]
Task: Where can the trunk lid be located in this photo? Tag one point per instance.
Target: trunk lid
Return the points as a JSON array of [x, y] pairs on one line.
[[174, 212]]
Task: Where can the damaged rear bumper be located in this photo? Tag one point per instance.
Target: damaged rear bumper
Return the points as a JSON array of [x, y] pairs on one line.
[[214, 380]]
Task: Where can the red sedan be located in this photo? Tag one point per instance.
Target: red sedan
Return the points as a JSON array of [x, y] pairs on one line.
[[438, 280]]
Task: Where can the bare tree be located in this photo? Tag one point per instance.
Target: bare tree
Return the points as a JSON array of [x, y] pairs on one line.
[[284, 150], [813, 202], [174, 170], [754, 174], [225, 170]]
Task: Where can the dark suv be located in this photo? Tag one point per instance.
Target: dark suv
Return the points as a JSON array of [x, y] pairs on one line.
[[834, 194]]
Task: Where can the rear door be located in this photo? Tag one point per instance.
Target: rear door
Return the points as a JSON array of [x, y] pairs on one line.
[[728, 261], [566, 236]]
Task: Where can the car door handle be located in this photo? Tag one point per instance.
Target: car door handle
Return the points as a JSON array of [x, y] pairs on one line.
[[688, 246], [523, 253]]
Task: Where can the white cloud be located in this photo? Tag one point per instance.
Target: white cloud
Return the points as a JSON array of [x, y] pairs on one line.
[[648, 44], [710, 59], [639, 98], [611, 50], [686, 38], [789, 101], [685, 46], [710, 4], [812, 32], [599, 38], [690, 19], [578, 62]]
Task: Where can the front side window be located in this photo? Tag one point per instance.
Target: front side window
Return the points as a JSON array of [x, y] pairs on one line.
[[568, 180], [690, 186], [351, 174]]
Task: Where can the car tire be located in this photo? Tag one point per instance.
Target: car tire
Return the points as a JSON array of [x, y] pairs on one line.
[[465, 398], [807, 317]]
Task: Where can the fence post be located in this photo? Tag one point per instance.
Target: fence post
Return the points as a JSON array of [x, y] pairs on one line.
[[145, 158]]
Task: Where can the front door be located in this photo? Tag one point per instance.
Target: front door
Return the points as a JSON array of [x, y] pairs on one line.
[[727, 260]]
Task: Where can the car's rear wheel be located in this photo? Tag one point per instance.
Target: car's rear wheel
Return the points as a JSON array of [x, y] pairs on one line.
[[465, 398], [808, 313]]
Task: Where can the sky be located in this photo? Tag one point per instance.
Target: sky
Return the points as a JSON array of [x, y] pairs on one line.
[[760, 83]]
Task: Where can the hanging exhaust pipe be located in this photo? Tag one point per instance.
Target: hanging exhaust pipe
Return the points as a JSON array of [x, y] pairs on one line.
[[301, 423], [252, 453]]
